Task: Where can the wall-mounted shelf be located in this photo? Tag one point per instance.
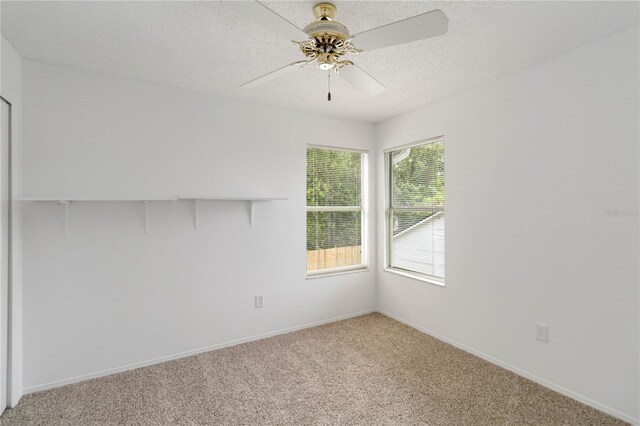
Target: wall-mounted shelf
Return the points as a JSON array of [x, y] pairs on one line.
[[250, 200], [95, 200], [66, 202]]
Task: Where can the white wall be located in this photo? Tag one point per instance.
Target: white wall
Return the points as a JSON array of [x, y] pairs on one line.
[[11, 90], [534, 161], [108, 295]]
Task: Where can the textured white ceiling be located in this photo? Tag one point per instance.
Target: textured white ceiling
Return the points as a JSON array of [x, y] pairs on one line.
[[205, 46]]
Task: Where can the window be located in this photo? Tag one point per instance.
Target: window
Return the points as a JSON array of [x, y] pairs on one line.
[[415, 210], [335, 216]]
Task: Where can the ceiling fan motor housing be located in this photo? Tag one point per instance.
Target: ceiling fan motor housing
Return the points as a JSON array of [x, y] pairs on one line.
[[333, 28]]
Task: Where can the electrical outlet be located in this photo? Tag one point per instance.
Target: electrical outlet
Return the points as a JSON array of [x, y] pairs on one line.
[[542, 333], [259, 299]]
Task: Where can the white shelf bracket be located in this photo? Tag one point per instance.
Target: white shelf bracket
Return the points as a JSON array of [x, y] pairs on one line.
[[66, 215], [251, 211], [146, 216], [195, 213]]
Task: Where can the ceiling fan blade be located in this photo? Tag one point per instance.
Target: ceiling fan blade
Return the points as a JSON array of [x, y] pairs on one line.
[[355, 76], [430, 24], [274, 74], [266, 17]]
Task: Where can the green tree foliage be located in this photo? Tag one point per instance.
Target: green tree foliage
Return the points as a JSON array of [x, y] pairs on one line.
[[417, 181], [333, 229], [333, 179]]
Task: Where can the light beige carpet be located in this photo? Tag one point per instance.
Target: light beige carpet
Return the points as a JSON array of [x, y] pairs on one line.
[[363, 371]]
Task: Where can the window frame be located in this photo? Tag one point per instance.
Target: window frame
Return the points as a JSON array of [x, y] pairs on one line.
[[388, 210], [364, 216]]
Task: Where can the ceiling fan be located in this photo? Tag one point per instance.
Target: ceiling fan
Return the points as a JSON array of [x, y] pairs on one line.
[[326, 41]]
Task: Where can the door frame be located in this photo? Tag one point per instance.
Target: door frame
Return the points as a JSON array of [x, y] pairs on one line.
[[9, 272]]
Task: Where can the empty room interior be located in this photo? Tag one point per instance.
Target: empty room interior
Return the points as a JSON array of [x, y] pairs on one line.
[[234, 213]]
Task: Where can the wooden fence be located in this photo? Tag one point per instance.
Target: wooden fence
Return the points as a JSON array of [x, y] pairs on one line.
[[333, 257]]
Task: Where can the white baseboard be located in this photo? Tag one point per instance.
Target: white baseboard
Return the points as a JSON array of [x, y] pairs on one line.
[[226, 344], [532, 377]]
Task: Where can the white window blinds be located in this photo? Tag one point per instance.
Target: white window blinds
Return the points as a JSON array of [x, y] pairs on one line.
[[334, 210], [415, 214]]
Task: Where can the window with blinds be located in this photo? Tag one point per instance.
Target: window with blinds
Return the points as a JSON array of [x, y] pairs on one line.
[[415, 210], [335, 219]]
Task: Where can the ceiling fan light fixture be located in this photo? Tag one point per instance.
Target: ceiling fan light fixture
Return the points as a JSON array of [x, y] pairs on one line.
[[325, 61], [328, 40]]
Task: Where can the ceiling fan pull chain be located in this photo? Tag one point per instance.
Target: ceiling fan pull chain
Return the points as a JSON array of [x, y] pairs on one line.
[[329, 80]]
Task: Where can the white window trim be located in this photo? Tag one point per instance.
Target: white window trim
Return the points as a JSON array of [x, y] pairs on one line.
[[337, 148], [332, 272], [412, 144], [415, 276], [387, 201], [364, 217]]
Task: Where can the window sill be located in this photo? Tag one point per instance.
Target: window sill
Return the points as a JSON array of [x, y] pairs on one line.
[[416, 277], [335, 272]]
